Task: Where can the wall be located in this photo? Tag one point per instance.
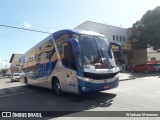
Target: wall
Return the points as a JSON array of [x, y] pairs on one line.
[[153, 54], [15, 63], [104, 29], [136, 56], [139, 56]]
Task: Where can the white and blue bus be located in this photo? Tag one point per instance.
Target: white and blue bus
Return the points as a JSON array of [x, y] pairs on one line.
[[71, 61]]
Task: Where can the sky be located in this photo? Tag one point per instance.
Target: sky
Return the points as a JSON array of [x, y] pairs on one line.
[[53, 15]]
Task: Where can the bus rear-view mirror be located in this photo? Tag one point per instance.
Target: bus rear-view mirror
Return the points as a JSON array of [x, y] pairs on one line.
[[75, 45], [120, 50]]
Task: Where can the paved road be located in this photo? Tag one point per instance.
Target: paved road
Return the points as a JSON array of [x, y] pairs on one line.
[[140, 94]]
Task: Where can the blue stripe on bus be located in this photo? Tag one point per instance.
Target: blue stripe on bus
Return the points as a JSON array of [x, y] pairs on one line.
[[95, 87], [42, 70]]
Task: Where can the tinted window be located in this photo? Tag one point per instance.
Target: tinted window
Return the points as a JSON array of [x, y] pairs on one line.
[[69, 59], [88, 46], [156, 64], [16, 74]]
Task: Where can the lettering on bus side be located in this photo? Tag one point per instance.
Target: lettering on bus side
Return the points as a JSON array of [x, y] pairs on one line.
[[41, 61]]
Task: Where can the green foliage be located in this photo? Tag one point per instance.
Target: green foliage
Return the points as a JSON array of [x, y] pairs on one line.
[[4, 71], [147, 30]]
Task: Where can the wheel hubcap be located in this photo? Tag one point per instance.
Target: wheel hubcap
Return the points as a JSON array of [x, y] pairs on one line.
[[57, 87]]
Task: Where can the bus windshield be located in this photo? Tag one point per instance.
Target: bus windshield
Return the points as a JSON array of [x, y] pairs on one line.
[[96, 52]]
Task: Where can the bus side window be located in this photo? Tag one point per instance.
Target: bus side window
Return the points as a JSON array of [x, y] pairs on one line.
[[69, 58]]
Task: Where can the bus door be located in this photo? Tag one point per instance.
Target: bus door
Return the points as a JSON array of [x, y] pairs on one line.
[[68, 73]]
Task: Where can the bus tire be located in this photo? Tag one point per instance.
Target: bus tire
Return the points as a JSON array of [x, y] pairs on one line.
[[56, 86], [26, 82]]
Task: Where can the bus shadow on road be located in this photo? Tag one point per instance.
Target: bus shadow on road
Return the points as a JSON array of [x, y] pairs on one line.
[[73, 102], [71, 105], [76, 105], [41, 99], [102, 99]]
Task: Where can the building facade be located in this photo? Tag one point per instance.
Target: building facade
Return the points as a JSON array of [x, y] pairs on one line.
[[132, 55], [152, 55], [14, 60]]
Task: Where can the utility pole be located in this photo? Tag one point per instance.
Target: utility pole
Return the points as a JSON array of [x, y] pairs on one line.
[[6, 63]]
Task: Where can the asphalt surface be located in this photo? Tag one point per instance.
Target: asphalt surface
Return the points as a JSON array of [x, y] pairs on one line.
[[139, 94]]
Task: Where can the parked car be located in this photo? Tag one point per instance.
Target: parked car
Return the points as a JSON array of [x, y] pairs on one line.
[[143, 68], [15, 77], [157, 66], [153, 62]]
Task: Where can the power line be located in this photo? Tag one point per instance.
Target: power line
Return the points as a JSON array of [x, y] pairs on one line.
[[14, 27], [36, 26]]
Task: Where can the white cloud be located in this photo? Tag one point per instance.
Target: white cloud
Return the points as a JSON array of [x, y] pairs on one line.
[[26, 24]]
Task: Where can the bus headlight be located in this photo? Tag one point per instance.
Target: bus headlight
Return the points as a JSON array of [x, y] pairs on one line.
[[84, 88], [117, 76], [85, 79]]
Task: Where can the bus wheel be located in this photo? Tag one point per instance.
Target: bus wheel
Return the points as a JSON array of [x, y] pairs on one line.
[[57, 87], [26, 82]]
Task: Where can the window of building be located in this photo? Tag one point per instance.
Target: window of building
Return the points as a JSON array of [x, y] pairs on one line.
[[124, 38], [113, 37], [120, 38], [117, 37]]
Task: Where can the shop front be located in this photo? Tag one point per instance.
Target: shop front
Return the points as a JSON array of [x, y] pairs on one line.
[[125, 61]]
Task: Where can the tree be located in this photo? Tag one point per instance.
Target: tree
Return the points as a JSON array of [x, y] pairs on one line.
[[146, 32], [4, 71]]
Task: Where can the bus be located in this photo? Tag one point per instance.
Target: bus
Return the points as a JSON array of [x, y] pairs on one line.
[[73, 61]]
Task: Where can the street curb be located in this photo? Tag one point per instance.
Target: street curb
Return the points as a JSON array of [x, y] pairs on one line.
[[131, 78]]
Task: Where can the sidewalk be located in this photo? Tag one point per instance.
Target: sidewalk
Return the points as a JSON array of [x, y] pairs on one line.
[[2, 77], [126, 76]]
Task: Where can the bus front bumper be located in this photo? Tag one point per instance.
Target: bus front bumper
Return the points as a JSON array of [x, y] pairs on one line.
[[90, 87]]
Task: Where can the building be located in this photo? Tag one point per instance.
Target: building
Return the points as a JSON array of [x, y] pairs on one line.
[[152, 54], [132, 55], [14, 60]]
